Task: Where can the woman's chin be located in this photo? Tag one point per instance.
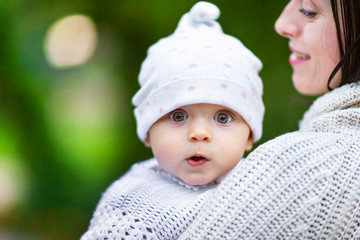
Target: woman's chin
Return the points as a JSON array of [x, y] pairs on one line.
[[308, 89]]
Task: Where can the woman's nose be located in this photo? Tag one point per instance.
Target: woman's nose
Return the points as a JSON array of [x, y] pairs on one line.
[[200, 132], [287, 25]]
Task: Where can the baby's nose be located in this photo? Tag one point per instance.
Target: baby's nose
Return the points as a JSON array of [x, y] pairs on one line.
[[200, 132]]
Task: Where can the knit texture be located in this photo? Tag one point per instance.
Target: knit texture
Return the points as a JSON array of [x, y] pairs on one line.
[[301, 185], [146, 204]]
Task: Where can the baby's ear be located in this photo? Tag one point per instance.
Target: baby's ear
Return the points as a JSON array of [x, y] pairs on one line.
[[249, 143], [147, 141]]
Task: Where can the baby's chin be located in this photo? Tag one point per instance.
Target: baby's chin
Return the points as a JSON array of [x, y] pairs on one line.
[[197, 181]]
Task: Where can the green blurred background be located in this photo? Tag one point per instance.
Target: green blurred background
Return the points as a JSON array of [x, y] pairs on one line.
[[67, 128]]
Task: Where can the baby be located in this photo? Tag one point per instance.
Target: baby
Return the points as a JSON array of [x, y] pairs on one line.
[[199, 108]]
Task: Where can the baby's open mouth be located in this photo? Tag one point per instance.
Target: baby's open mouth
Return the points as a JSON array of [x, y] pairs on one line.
[[197, 160]]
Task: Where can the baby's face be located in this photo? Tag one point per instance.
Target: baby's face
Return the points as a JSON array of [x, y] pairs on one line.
[[199, 143]]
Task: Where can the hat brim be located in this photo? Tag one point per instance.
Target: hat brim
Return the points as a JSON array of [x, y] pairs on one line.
[[210, 90]]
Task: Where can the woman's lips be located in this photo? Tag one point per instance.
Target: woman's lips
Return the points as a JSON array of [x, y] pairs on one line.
[[297, 57], [294, 60], [196, 161]]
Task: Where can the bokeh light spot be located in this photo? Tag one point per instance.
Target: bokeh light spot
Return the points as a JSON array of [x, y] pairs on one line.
[[70, 41], [12, 184]]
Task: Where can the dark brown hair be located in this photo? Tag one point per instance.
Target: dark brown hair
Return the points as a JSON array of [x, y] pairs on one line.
[[348, 34]]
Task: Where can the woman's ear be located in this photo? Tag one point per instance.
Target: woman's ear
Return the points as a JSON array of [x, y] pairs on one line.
[[147, 141], [249, 143]]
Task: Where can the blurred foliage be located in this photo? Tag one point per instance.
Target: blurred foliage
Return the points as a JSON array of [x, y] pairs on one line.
[[67, 133]]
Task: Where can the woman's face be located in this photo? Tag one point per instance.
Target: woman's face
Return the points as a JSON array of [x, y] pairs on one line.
[[310, 27]]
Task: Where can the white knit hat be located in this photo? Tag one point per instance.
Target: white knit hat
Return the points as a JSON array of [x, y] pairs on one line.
[[198, 63]]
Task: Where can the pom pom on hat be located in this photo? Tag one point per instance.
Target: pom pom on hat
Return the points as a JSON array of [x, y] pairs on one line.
[[202, 15], [198, 63], [204, 12]]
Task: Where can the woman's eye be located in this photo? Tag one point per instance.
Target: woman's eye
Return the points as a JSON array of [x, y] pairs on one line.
[[178, 116], [308, 14], [223, 117]]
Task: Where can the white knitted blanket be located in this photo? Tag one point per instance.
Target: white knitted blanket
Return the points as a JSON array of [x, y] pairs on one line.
[[301, 185], [146, 204]]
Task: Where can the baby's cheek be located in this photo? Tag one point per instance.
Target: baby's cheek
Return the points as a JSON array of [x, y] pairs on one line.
[[166, 153], [161, 154]]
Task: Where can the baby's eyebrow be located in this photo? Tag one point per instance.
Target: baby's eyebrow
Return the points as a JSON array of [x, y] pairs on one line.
[[225, 110], [177, 109]]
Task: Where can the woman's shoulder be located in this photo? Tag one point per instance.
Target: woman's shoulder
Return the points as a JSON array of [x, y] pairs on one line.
[[304, 149]]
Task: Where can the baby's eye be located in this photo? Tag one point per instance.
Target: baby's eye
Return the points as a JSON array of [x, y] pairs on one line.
[[223, 117], [178, 116]]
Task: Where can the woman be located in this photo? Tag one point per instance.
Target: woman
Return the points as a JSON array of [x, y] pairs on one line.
[[305, 184]]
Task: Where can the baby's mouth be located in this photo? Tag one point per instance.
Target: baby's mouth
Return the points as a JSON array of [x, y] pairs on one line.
[[197, 160]]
